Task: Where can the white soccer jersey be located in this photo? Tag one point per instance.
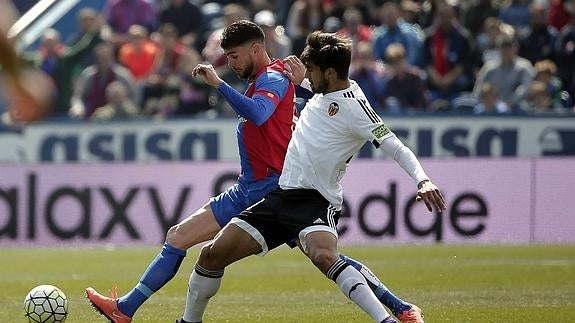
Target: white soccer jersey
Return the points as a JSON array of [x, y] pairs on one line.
[[330, 131]]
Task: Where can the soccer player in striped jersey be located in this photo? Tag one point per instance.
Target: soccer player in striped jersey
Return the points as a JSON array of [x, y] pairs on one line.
[[267, 115], [306, 206]]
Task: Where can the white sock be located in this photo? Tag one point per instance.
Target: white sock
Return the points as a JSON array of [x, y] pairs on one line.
[[355, 287], [202, 286]]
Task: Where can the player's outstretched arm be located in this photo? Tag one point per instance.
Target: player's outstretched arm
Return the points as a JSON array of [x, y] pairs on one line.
[[256, 109], [427, 192]]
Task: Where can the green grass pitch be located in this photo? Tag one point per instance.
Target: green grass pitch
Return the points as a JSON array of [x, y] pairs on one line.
[[452, 283]]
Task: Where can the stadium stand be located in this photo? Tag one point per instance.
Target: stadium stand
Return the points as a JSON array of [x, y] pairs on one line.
[[455, 46]]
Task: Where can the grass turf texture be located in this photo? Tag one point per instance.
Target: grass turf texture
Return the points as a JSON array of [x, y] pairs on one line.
[[452, 283]]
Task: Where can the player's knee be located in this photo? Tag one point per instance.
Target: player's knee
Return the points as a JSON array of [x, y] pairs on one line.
[[322, 258], [210, 258], [176, 238]]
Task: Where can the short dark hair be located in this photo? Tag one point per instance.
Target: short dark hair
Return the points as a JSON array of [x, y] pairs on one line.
[[241, 32], [328, 50]]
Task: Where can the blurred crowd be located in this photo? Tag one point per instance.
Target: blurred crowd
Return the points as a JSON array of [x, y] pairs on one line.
[[133, 59]]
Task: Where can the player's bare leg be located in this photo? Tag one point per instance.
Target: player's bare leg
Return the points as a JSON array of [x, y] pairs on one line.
[[196, 228], [230, 245], [321, 248]]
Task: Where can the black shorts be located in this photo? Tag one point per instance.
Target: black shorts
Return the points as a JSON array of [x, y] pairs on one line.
[[286, 215]]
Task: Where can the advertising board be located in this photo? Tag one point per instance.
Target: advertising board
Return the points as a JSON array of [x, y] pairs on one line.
[[504, 200]]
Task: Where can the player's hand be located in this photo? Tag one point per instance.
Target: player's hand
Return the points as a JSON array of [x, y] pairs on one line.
[[431, 196], [208, 74], [295, 69]]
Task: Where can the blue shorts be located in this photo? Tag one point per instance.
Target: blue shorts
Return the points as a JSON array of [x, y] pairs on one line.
[[239, 197]]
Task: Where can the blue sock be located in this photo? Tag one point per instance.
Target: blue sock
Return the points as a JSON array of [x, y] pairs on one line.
[[385, 296], [159, 272]]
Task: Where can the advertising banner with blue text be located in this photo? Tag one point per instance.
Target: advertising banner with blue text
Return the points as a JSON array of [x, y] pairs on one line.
[[183, 140]]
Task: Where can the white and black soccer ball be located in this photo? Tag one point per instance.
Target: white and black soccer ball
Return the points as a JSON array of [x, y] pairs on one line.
[[46, 304]]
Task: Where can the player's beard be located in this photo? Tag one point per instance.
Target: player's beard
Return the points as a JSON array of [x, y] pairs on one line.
[[246, 73], [320, 86]]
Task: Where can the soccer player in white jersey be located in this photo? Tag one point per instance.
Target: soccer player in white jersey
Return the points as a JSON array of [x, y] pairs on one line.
[[306, 206]]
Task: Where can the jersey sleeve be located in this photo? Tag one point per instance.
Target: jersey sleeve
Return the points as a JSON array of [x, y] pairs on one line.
[[270, 88], [366, 123], [271, 85]]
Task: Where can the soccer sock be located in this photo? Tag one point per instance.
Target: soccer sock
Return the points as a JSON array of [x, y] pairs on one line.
[[202, 286], [159, 272], [385, 296], [354, 286]]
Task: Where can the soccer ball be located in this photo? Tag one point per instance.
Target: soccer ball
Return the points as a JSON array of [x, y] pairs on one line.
[[46, 304]]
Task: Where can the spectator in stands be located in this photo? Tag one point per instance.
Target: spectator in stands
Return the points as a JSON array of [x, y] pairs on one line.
[[278, 45], [516, 14], [395, 30], [489, 101], [475, 14], [558, 13], [429, 12], [256, 6], [369, 74], [160, 96], [538, 42], [447, 55], [187, 18], [486, 42], [404, 87], [332, 25], [538, 100], [90, 89], [354, 28], [304, 16], [409, 11], [121, 14], [566, 51], [546, 72], [48, 54], [212, 51], [72, 61], [171, 49], [337, 9], [194, 94], [139, 55], [170, 93], [119, 104], [86, 18], [171, 90], [511, 75]]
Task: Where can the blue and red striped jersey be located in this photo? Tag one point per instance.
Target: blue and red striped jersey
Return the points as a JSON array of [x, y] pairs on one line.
[[263, 147]]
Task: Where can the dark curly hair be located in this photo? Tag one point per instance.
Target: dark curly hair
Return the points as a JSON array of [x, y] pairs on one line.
[[328, 50], [241, 32]]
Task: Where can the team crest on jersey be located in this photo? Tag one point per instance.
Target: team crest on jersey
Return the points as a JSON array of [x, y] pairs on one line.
[[333, 109], [380, 131]]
